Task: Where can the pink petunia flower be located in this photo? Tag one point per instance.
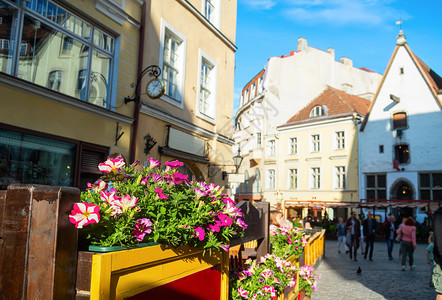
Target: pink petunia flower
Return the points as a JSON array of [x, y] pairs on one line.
[[199, 233], [241, 223], [242, 292], [153, 163], [142, 227], [179, 178], [223, 220], [213, 227], [97, 187], [173, 164], [161, 194], [127, 202], [111, 165], [84, 214], [225, 247]]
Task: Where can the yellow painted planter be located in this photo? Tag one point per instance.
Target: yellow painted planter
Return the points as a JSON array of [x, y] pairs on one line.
[[125, 274]]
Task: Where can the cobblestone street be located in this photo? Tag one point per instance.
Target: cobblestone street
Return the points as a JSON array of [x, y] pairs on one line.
[[379, 279]]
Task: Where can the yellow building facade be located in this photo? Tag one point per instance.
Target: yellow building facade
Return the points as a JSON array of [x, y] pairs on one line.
[[314, 169], [65, 68], [192, 42]]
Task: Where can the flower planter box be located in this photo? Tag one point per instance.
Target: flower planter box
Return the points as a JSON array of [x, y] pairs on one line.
[[154, 272]]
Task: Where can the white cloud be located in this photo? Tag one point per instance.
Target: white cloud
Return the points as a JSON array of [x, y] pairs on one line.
[[260, 4], [342, 12]]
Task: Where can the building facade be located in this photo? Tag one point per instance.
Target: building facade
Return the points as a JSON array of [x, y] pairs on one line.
[[399, 145], [285, 86], [65, 68], [193, 43], [316, 166]]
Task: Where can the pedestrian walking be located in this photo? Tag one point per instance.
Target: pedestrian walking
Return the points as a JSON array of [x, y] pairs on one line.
[[408, 240], [400, 239], [369, 230], [390, 235], [354, 226], [341, 232], [362, 241], [430, 256], [437, 252]]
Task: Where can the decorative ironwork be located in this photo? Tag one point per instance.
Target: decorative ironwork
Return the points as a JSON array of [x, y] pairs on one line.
[[153, 71], [150, 143]]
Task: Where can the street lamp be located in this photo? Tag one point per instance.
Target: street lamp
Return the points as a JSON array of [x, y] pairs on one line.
[[237, 160]]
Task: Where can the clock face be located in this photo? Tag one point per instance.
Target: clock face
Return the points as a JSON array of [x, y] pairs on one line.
[[155, 88]]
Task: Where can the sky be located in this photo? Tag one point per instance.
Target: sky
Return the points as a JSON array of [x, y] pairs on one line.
[[362, 30]]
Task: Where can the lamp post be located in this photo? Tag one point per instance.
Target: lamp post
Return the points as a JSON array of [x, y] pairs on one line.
[[237, 160]]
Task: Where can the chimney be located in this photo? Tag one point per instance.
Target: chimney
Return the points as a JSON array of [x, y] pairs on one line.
[[331, 51], [302, 44], [347, 61]]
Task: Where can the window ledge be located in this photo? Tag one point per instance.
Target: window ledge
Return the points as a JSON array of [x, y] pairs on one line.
[[29, 87]]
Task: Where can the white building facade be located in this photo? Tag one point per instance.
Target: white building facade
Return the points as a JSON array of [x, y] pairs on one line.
[[285, 86], [400, 144]]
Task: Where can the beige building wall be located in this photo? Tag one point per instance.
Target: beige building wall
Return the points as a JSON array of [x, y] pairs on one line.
[[327, 159], [198, 38], [34, 108]]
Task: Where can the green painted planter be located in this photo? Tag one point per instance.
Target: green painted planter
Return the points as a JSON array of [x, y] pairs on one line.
[[103, 249]]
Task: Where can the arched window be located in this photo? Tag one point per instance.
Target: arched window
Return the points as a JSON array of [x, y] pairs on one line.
[[245, 185], [256, 185], [400, 120], [317, 111]]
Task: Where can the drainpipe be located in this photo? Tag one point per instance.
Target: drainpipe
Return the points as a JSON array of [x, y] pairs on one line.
[[133, 142]]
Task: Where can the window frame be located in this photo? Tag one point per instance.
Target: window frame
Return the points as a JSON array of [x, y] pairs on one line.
[[167, 28], [271, 148], [315, 144], [216, 4], [315, 178], [338, 182], [400, 127], [431, 188], [376, 187], [73, 32], [292, 178], [204, 58], [317, 111], [271, 179], [292, 145], [336, 140]]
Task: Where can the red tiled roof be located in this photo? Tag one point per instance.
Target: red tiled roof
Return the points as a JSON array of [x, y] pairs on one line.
[[337, 102]]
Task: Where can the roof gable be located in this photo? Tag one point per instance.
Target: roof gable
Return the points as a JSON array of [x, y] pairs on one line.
[[432, 79], [335, 102]]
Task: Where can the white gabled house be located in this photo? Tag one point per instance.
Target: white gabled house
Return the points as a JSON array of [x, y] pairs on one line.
[[401, 139]]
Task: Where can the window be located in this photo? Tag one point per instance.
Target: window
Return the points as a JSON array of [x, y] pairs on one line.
[[271, 179], [33, 159], [340, 177], [402, 153], [258, 140], [49, 37], [207, 88], [172, 59], [260, 87], [430, 186], [246, 96], [246, 185], [54, 80], [315, 143], [381, 148], [293, 179], [253, 91], [271, 148], [400, 120], [256, 186], [340, 140], [376, 186], [315, 178], [317, 111], [293, 145]]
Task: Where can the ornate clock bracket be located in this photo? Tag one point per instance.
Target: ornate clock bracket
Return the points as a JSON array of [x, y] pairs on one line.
[[153, 71]]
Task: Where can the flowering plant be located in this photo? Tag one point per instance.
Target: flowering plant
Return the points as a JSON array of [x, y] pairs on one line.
[[265, 279], [133, 204], [307, 279], [287, 241]]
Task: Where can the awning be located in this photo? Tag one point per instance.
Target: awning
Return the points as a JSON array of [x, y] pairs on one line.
[[385, 204], [322, 204]]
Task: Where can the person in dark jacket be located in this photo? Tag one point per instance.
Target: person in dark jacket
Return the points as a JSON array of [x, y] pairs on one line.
[[437, 253], [369, 226], [390, 234], [354, 227]]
